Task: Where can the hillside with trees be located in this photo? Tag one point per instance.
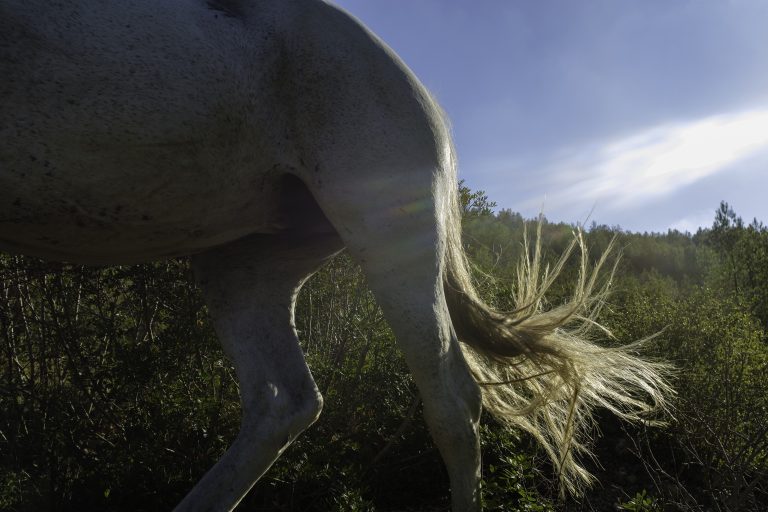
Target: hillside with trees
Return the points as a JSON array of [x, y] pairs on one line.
[[116, 396]]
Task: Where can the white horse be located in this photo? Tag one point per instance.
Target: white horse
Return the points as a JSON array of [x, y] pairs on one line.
[[261, 137]]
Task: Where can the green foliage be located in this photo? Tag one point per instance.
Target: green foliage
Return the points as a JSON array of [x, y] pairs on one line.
[[474, 203], [116, 396], [641, 502], [721, 408], [511, 481], [742, 266], [114, 390]]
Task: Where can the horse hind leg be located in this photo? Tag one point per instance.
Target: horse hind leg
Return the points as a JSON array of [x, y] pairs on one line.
[[250, 287], [394, 231]]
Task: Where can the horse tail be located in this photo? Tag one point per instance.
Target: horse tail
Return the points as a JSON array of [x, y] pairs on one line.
[[541, 370]]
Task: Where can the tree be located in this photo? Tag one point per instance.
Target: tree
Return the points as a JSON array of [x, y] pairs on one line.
[[474, 203]]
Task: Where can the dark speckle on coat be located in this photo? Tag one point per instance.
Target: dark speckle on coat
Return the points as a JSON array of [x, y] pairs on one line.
[[230, 8]]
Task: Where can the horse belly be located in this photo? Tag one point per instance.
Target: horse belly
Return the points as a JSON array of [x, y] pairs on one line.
[[132, 216]]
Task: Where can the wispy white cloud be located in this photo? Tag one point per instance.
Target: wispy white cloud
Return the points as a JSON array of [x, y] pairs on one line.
[[656, 162], [691, 223]]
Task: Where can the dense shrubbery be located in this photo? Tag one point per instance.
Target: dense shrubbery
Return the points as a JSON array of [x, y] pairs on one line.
[[114, 390], [116, 396]]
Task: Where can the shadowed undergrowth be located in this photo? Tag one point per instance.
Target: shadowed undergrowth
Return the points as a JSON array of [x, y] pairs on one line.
[[115, 395]]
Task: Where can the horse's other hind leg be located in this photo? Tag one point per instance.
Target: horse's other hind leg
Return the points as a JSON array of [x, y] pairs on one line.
[[250, 287]]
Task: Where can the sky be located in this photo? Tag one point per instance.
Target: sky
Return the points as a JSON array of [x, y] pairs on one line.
[[643, 114]]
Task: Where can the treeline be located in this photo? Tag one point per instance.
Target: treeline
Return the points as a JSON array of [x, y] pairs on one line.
[[704, 299], [115, 394]]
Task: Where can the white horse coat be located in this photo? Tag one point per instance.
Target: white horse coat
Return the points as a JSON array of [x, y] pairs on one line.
[[261, 137]]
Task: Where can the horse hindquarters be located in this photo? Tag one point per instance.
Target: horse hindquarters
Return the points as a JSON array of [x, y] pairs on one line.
[[250, 287]]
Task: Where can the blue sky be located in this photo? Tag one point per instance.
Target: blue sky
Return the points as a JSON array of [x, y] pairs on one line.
[[645, 112]]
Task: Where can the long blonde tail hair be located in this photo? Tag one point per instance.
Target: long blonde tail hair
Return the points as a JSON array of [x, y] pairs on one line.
[[541, 370]]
